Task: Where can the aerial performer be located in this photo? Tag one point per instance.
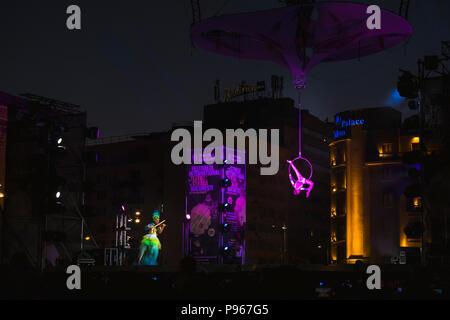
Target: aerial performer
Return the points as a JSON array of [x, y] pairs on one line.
[[300, 37], [150, 244]]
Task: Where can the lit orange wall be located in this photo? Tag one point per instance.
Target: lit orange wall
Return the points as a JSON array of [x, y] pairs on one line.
[[355, 194]]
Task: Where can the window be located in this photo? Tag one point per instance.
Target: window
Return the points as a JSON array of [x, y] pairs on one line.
[[386, 147], [101, 195], [135, 174], [340, 179], [101, 228], [101, 178], [388, 199], [415, 146], [100, 211], [417, 202], [386, 173]]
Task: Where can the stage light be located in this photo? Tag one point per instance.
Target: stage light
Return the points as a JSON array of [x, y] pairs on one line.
[[395, 98], [87, 238], [58, 195], [2, 195], [60, 140], [138, 213], [123, 208], [188, 216], [226, 207], [225, 249], [225, 227], [93, 133], [137, 220], [407, 85]]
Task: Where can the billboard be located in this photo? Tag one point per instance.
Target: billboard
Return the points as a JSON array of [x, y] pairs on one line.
[[215, 212]]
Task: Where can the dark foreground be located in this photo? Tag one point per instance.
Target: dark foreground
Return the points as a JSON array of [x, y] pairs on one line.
[[228, 282]]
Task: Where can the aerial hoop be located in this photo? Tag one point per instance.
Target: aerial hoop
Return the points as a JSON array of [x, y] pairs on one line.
[[300, 183]]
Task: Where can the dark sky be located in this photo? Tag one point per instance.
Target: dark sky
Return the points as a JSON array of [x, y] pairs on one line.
[[133, 69]]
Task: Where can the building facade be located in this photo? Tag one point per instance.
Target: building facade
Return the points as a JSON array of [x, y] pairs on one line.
[[42, 179]]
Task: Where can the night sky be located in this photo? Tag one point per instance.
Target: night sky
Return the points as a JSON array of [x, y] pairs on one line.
[[133, 69]]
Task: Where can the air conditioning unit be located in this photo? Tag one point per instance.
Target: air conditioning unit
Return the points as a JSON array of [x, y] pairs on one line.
[[394, 260], [402, 258]]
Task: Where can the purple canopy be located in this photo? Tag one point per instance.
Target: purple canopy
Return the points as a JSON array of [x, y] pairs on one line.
[[299, 38]]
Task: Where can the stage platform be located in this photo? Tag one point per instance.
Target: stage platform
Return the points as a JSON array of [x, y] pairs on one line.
[[218, 282]]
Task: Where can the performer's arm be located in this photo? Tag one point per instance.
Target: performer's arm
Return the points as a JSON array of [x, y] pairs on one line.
[[161, 228]]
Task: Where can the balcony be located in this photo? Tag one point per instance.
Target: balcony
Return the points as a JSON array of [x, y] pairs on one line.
[[381, 157], [414, 205]]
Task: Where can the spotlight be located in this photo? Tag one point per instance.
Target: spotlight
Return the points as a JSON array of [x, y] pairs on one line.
[[123, 208], [59, 141], [227, 251], [137, 220], [87, 238], [2, 195], [188, 216], [138, 213], [225, 227], [226, 183], [226, 207], [58, 194]]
